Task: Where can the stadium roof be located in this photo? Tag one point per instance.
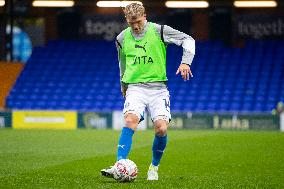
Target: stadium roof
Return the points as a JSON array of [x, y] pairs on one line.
[[148, 3]]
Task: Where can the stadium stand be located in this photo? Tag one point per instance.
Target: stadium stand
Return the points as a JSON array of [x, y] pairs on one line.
[[81, 75]]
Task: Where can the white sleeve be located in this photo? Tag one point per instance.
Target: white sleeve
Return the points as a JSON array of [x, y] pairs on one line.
[[121, 56], [173, 36]]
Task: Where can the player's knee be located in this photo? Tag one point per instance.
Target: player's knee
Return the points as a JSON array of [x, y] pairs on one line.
[[131, 121], [161, 127], [161, 131]]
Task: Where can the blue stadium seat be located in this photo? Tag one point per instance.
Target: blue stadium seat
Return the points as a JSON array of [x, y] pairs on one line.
[[84, 75]]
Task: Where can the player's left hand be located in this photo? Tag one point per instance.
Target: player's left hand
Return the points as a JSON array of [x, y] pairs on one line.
[[185, 71]]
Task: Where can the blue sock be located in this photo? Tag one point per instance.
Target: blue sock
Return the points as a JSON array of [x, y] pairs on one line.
[[159, 145], [124, 144]]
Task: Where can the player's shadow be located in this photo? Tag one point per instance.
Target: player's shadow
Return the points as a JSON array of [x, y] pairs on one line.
[[112, 181]]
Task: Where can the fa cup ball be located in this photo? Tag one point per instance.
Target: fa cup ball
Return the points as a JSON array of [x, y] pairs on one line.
[[125, 170]]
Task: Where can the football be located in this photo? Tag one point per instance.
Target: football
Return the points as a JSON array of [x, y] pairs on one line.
[[125, 170]]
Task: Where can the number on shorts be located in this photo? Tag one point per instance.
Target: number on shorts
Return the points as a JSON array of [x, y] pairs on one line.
[[167, 103]]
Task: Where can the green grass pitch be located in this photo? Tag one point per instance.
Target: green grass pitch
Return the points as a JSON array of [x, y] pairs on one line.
[[193, 159]]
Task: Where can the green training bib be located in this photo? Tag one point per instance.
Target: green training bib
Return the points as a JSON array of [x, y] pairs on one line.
[[145, 58]]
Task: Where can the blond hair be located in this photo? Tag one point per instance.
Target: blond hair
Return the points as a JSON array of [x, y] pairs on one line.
[[134, 10]]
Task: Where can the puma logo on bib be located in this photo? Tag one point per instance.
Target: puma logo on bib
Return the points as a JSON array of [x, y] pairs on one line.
[[141, 47]]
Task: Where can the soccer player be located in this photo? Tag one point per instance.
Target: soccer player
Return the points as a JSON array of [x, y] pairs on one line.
[[142, 61]]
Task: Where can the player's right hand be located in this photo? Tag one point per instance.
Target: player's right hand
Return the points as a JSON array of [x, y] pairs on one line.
[[123, 91]]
